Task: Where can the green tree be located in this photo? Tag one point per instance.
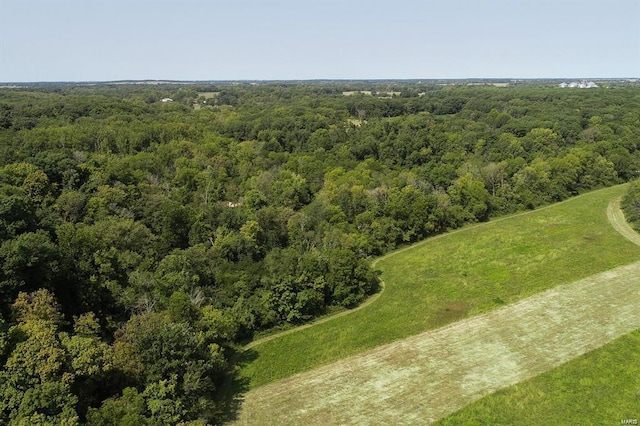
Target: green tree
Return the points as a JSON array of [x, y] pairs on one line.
[[128, 410], [29, 261], [166, 349], [472, 196], [17, 213], [36, 381]]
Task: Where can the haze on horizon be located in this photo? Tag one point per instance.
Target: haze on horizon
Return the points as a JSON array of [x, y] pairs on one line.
[[90, 40]]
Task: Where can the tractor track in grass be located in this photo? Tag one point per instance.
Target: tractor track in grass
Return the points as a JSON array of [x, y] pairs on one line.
[[422, 378], [619, 223]]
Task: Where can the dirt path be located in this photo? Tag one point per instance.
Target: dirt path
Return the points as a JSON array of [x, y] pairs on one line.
[[425, 377], [619, 223]]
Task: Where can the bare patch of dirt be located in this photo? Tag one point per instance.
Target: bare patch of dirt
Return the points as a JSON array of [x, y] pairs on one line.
[[425, 377], [452, 312]]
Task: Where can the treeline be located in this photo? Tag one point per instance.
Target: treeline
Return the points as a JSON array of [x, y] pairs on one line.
[[141, 242], [631, 205]]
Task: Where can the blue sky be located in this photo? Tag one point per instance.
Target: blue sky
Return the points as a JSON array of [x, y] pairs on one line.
[[100, 40]]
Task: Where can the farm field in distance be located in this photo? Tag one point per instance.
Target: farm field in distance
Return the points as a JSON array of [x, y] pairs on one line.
[[456, 275]]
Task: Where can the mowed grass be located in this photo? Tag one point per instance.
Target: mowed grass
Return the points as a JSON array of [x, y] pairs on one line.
[[599, 388], [452, 276]]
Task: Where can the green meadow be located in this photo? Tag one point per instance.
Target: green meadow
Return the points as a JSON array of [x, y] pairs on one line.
[[599, 388], [456, 275]]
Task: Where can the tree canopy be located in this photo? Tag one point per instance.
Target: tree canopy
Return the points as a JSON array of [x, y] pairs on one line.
[[143, 242]]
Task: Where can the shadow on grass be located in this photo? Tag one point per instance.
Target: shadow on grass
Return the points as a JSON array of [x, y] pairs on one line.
[[234, 387], [232, 390]]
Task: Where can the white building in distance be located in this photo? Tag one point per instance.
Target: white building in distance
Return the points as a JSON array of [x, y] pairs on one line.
[[584, 84]]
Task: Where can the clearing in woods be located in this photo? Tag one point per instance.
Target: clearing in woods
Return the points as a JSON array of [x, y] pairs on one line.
[[422, 378], [453, 276]]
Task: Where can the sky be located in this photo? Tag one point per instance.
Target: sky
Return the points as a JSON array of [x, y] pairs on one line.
[[108, 40]]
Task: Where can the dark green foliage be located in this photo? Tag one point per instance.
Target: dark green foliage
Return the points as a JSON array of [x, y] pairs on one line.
[[176, 369], [168, 233], [17, 214], [29, 261], [181, 309], [631, 205], [128, 410]]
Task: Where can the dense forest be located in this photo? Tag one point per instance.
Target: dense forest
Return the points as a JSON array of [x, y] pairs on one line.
[[143, 240]]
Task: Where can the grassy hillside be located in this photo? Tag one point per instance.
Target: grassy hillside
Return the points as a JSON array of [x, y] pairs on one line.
[[598, 388], [463, 273], [423, 378]]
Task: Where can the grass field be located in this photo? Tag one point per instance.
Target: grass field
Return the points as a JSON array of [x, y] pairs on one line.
[[208, 95], [447, 278], [598, 388], [420, 379]]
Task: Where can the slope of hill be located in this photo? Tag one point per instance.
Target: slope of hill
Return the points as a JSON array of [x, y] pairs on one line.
[[432, 374], [600, 387], [450, 277]]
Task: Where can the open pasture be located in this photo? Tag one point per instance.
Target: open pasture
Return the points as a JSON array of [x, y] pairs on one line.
[[419, 379], [457, 275]]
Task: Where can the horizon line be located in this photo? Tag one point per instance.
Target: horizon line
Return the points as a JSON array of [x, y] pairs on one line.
[[302, 80]]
